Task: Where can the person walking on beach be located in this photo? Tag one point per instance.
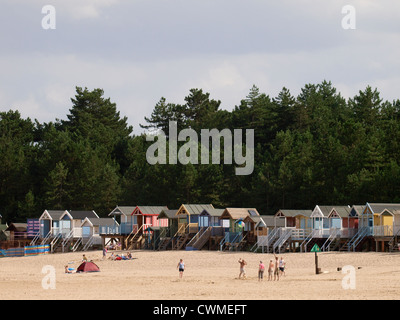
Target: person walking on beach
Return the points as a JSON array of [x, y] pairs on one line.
[[242, 263], [261, 269], [270, 270], [276, 268], [104, 253], [282, 264], [181, 267]]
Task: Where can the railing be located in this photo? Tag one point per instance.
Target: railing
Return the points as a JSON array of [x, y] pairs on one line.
[[35, 238], [266, 241], [109, 230], [361, 234], [67, 238], [282, 240], [392, 242], [383, 231], [199, 239], [335, 232], [47, 237], [77, 244], [89, 243], [308, 239], [197, 236], [54, 241], [299, 234]]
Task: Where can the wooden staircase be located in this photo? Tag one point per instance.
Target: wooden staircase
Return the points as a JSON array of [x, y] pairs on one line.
[[134, 239], [394, 243], [180, 241], [164, 243], [200, 239]]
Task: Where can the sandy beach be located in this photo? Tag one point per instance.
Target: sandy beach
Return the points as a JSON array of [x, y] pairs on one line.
[[208, 275]]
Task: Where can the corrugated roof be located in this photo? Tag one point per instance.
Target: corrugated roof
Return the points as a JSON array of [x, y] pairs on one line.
[[342, 211], [55, 214], [19, 227], [379, 207], [268, 221], [239, 213], [213, 212], [170, 214], [193, 209], [103, 221], [295, 213], [150, 210], [83, 214], [124, 210]]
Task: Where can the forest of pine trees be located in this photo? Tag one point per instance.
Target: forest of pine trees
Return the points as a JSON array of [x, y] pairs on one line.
[[316, 148]]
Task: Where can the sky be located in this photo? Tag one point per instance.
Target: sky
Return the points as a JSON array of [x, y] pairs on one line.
[[138, 51]]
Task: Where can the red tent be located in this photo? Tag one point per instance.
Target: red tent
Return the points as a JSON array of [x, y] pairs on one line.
[[88, 267]]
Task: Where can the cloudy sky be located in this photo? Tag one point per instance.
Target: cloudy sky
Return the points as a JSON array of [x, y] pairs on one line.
[[141, 50]]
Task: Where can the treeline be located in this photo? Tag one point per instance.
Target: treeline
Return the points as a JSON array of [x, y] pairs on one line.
[[316, 148]]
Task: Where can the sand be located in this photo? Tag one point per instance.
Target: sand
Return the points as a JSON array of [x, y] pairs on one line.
[[209, 275]]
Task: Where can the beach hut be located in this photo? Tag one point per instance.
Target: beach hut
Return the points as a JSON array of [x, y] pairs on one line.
[[123, 216], [91, 231], [210, 217], [70, 226], [210, 232], [143, 218], [232, 220], [380, 219], [17, 231], [49, 223], [295, 218], [146, 216], [255, 226], [232, 216], [91, 226], [167, 233], [320, 220], [188, 215], [188, 224], [380, 223]]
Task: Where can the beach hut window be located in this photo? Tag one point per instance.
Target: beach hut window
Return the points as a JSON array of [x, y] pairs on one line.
[[317, 223], [336, 223], [86, 231], [214, 221], [225, 223]]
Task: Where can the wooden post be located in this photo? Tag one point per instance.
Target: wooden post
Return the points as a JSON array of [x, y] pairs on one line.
[[316, 263]]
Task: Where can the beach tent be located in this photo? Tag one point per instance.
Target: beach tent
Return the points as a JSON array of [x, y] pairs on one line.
[[88, 267]]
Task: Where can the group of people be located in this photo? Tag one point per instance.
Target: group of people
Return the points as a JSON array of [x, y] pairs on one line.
[[275, 269], [114, 257]]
